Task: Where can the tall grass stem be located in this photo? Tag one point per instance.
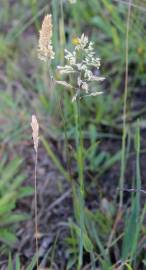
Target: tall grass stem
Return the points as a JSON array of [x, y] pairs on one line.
[[79, 146], [35, 136], [122, 176], [36, 210]]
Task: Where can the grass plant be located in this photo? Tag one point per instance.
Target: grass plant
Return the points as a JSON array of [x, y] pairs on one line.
[[97, 129]]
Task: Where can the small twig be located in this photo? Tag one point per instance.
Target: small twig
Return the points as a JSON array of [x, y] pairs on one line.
[[59, 200], [133, 5], [133, 190]]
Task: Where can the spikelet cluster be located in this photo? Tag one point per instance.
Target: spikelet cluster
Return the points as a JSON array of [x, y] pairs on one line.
[[45, 49], [83, 66], [35, 132]]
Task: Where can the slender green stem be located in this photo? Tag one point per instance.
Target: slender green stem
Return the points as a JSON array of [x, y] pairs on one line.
[[68, 160], [68, 157], [62, 33], [34, 7], [80, 161], [55, 11], [125, 108]]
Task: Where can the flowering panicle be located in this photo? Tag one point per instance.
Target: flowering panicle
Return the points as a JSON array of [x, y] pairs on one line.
[[45, 49], [84, 66]]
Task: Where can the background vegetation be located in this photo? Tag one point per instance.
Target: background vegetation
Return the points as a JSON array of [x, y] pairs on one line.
[[112, 237]]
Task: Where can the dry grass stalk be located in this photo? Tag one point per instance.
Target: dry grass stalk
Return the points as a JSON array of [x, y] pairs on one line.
[[45, 49], [35, 136]]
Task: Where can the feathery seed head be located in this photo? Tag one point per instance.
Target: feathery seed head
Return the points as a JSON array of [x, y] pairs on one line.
[[84, 66], [35, 132], [45, 49]]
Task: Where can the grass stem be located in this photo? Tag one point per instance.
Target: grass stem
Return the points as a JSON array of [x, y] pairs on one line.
[[79, 146], [125, 108], [36, 212]]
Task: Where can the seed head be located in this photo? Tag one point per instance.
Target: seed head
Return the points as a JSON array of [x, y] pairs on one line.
[[83, 65], [35, 132], [45, 49]]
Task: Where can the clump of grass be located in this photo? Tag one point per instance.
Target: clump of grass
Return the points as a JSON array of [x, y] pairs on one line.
[[80, 64], [79, 78], [111, 32]]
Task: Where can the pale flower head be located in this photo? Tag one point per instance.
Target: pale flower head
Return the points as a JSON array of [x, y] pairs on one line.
[[83, 66], [35, 131], [45, 49], [82, 42]]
